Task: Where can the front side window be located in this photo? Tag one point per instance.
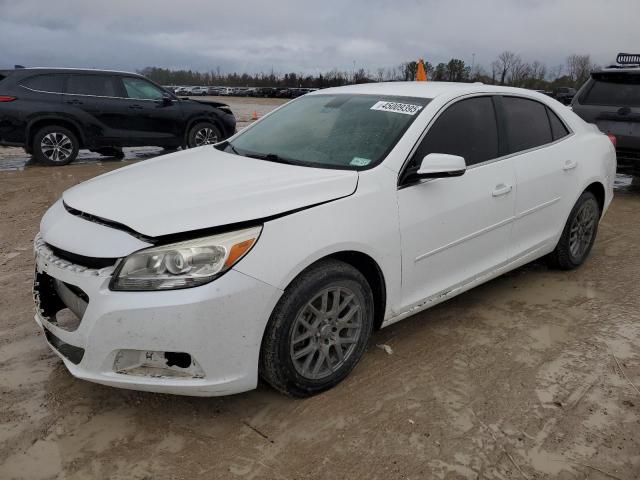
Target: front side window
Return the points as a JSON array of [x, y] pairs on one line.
[[467, 128], [621, 90], [527, 123], [44, 83], [140, 89], [331, 131], [96, 85]]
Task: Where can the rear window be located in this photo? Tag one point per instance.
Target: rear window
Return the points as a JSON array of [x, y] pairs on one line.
[[614, 90], [98, 85], [44, 83], [527, 123]]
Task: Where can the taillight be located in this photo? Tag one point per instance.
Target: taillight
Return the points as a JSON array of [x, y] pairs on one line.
[[4, 98], [613, 139]]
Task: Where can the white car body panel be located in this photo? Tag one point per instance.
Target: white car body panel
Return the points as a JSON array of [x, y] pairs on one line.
[[431, 240], [184, 185]]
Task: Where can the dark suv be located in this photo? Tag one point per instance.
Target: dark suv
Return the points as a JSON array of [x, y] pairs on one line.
[[611, 100], [53, 113]]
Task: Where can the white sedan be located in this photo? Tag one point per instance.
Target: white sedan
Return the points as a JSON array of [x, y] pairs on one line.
[[275, 254]]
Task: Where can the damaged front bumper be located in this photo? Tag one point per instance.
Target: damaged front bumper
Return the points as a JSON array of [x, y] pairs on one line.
[[201, 341]]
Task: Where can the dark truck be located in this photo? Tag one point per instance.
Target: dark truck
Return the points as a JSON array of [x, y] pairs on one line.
[[611, 100]]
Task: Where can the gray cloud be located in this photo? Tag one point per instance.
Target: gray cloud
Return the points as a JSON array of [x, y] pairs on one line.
[[288, 35]]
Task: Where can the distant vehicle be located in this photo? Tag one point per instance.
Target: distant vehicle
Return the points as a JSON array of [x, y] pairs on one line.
[[284, 93], [611, 100], [564, 94], [53, 113], [183, 91], [266, 92], [214, 91], [199, 91], [275, 254], [227, 91]]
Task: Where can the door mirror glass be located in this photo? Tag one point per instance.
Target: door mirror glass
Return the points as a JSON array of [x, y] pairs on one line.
[[439, 165]]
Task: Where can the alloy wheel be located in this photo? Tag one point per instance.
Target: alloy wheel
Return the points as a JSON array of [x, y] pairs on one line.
[[326, 332], [582, 229], [56, 146], [205, 136]]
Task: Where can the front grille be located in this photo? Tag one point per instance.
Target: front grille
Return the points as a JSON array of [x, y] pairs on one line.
[[60, 303], [89, 262]]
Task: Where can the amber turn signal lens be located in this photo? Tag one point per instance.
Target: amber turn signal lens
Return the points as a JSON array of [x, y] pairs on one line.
[[238, 250]]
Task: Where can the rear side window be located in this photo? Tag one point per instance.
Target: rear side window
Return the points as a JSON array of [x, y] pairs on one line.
[[558, 130], [97, 85], [527, 123], [467, 128], [621, 90], [44, 83]]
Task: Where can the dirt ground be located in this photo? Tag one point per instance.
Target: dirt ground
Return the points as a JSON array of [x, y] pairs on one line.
[[530, 376]]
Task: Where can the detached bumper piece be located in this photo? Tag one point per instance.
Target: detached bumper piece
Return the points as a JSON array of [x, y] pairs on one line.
[[71, 353]]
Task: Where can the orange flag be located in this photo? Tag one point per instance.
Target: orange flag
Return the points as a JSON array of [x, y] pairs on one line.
[[421, 74]]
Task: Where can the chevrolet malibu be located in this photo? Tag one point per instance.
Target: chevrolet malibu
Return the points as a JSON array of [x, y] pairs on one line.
[[276, 253]]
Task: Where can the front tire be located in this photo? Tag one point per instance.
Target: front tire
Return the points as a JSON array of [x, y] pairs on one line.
[[203, 133], [578, 235], [54, 145], [318, 331]]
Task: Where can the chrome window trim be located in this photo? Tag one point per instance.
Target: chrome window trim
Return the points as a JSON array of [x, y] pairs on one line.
[[492, 160]]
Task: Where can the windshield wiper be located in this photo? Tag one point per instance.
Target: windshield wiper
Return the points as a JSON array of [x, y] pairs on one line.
[[270, 157]]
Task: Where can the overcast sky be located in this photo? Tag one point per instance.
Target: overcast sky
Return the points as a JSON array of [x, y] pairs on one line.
[[304, 36]]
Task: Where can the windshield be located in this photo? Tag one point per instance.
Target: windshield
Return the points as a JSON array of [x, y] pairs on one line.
[[330, 131]]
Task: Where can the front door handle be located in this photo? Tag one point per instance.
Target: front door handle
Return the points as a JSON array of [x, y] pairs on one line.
[[74, 102], [136, 106], [501, 189], [570, 165]]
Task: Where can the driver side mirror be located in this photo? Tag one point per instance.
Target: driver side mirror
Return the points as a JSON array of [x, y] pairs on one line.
[[167, 99], [441, 165]]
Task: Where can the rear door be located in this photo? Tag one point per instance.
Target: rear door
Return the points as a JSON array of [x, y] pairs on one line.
[[456, 229], [545, 168], [95, 102]]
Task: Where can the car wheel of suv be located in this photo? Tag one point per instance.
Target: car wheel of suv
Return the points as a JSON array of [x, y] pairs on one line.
[[318, 331], [203, 133], [578, 235], [53, 145]]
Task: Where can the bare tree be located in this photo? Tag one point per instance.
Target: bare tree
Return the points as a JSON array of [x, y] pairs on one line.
[[579, 68], [505, 63]]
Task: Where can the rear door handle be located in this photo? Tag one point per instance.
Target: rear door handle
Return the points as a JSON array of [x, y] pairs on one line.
[[501, 189], [74, 102], [136, 106], [570, 165]]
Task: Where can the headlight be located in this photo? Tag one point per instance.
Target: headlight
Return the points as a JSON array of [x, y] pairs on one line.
[[184, 264]]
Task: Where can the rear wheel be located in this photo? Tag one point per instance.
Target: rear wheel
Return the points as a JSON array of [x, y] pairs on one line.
[[318, 331], [578, 235], [203, 133], [54, 145]]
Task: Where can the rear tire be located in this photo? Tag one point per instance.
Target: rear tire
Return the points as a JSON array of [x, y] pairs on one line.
[[578, 235], [54, 145], [318, 331]]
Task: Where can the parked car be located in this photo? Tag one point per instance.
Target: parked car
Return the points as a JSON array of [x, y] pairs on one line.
[[266, 92], [199, 91], [564, 94], [611, 100], [226, 91], [268, 256], [214, 91], [53, 113], [186, 91]]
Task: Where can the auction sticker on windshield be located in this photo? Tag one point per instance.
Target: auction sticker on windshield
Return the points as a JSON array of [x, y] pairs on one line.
[[406, 108]]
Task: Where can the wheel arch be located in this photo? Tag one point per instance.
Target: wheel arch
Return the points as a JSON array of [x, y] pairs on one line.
[[40, 122], [598, 190], [202, 118], [371, 271]]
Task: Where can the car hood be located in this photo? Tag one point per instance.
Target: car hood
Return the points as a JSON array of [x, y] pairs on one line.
[[202, 188]]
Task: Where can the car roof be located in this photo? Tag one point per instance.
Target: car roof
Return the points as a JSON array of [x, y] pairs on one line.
[[428, 89], [68, 70]]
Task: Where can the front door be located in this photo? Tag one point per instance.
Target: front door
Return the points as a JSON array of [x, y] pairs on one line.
[[456, 229]]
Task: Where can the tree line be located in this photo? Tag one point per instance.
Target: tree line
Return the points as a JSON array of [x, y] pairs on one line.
[[507, 69]]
